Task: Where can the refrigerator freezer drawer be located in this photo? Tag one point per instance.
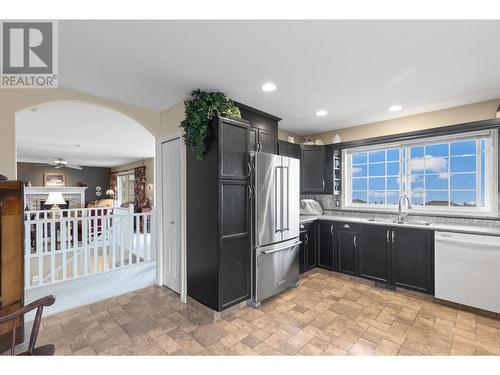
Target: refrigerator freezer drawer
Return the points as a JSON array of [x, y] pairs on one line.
[[277, 269]]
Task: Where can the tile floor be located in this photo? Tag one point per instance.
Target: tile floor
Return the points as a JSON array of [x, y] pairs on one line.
[[329, 314]]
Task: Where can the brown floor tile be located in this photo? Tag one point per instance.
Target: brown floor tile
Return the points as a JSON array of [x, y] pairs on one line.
[[329, 314], [208, 334]]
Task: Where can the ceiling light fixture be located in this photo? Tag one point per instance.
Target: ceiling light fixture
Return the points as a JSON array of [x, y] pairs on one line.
[[395, 108], [268, 87], [321, 113]]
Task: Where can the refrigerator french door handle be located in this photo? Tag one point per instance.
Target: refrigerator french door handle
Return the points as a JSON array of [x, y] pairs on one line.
[[278, 199], [287, 203]]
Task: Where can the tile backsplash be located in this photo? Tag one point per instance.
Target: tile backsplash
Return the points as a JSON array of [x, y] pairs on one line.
[[327, 202]]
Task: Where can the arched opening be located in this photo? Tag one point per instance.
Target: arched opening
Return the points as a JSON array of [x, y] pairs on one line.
[[98, 240]]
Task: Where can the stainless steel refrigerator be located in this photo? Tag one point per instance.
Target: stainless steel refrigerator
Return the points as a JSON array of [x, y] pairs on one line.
[[275, 248]]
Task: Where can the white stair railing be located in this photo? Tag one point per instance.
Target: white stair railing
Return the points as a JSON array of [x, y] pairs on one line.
[[67, 244]]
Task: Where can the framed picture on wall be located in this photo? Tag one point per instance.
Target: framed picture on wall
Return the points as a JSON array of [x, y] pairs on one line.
[[54, 180]]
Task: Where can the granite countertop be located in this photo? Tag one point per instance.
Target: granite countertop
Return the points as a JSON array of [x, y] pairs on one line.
[[469, 229]]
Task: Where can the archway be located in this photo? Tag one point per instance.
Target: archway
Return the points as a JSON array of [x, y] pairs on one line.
[[104, 237]]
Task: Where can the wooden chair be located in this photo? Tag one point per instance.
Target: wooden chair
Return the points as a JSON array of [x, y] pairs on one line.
[[16, 315]]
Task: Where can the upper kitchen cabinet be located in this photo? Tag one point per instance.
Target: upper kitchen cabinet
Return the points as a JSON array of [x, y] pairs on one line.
[[312, 169], [233, 139], [288, 149], [329, 170], [316, 169], [263, 129]]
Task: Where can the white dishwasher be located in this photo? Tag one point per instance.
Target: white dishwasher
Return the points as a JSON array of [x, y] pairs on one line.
[[467, 269]]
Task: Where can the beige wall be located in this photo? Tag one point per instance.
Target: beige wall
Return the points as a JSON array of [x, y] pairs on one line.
[[284, 134], [14, 100], [450, 116], [150, 173], [170, 119]]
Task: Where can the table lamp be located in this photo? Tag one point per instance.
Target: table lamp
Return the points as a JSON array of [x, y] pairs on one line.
[[110, 194], [55, 199]]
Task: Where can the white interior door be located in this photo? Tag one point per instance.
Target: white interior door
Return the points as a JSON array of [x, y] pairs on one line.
[[171, 213]]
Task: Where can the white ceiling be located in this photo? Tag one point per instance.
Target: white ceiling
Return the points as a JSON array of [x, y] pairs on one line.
[[354, 69], [106, 138]]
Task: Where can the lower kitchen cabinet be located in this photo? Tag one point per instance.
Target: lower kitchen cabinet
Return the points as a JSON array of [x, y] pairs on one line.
[[403, 257], [326, 248], [374, 253], [412, 259], [347, 243], [308, 247]]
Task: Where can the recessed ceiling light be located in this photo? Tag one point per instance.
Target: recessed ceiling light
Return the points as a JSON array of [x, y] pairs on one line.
[[321, 113], [395, 108], [268, 87]]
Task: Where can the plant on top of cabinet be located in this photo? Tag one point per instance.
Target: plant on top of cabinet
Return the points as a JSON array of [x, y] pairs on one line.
[[200, 109]]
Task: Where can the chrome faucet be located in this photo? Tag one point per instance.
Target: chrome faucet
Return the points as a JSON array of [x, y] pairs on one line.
[[403, 215]]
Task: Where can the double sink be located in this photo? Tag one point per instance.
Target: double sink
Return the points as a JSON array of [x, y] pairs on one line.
[[390, 221]]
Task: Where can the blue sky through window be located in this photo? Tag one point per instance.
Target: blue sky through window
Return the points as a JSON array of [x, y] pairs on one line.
[[446, 174]]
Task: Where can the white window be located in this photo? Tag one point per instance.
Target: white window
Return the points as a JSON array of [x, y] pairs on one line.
[[126, 188], [453, 175]]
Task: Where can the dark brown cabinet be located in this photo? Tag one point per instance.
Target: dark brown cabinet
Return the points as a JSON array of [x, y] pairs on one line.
[[233, 144], [346, 244], [11, 257], [218, 217], [317, 169], [312, 169], [235, 243], [329, 171], [288, 149], [395, 255], [412, 259], [263, 141], [263, 129], [326, 248], [267, 141], [374, 253], [308, 247]]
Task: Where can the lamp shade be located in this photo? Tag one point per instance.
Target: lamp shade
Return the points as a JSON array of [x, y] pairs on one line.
[[55, 198]]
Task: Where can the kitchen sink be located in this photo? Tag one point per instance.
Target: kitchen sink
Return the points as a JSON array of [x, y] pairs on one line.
[[376, 220], [419, 223]]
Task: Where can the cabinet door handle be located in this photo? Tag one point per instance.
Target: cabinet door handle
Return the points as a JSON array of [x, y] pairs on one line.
[[307, 239], [387, 236], [393, 236], [331, 229], [323, 184], [250, 191], [260, 146], [249, 166], [355, 242]]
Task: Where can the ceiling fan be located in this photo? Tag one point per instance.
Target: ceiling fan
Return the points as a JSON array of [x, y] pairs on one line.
[[59, 163]]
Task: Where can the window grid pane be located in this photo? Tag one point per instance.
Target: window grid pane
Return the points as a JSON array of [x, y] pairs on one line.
[[442, 174]]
